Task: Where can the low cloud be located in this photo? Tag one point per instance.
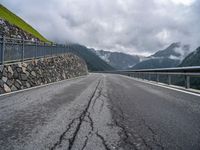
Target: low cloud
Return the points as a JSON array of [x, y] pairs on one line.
[[131, 26]]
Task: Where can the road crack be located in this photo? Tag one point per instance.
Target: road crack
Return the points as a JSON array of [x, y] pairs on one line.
[[154, 135], [85, 143], [126, 138], [80, 121], [90, 121], [103, 141], [99, 93], [62, 135]]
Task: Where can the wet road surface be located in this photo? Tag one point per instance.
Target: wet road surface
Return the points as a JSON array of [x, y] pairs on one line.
[[100, 111]]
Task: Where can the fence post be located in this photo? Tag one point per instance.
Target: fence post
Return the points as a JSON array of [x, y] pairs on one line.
[[187, 82], [23, 50], [36, 49], [44, 50], [56, 50], [169, 79], [51, 49], [3, 50]]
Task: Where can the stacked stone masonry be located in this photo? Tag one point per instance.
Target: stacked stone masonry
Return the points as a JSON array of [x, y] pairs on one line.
[[38, 72], [12, 31]]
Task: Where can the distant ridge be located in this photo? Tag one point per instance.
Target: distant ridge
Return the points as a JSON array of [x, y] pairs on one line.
[[193, 59], [167, 58], [94, 62], [118, 60]]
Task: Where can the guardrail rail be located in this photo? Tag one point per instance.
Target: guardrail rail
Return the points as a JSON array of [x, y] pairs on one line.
[[165, 74]]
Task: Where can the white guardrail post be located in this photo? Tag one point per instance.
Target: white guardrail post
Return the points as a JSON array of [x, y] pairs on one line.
[[157, 77], [187, 82], [169, 79]]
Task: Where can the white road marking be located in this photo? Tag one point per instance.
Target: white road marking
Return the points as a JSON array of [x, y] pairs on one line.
[[164, 86]]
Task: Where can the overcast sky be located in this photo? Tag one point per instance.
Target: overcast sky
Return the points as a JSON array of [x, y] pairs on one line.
[[131, 26]]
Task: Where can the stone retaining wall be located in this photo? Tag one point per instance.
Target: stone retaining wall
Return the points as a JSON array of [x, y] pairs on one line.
[[38, 72]]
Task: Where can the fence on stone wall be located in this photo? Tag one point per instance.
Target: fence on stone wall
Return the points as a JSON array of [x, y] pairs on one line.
[[12, 50]]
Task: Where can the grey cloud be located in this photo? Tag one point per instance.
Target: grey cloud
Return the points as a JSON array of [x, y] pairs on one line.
[[130, 26]]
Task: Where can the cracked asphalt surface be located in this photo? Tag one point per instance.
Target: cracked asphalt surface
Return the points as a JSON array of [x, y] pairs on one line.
[[97, 112]]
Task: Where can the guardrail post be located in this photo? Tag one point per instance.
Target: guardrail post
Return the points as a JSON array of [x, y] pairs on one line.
[[149, 77], [157, 77], [23, 50], [3, 50], [187, 82], [169, 79]]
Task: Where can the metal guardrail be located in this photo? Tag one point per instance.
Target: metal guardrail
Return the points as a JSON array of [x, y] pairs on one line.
[[156, 74], [12, 50]]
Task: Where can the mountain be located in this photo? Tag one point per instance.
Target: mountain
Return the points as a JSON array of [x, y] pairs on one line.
[[169, 57], [193, 59], [7, 17], [157, 63], [118, 60], [175, 50], [94, 62]]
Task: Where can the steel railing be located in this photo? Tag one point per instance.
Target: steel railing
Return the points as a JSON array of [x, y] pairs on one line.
[[165, 74], [12, 50]]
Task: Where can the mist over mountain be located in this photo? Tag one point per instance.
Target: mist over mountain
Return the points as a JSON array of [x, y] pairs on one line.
[[169, 57], [174, 51], [193, 59], [94, 62], [118, 60]]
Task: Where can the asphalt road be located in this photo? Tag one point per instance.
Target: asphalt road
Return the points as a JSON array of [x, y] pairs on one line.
[[98, 112]]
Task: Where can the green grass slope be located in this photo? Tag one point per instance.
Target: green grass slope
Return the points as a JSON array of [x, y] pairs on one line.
[[15, 20]]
